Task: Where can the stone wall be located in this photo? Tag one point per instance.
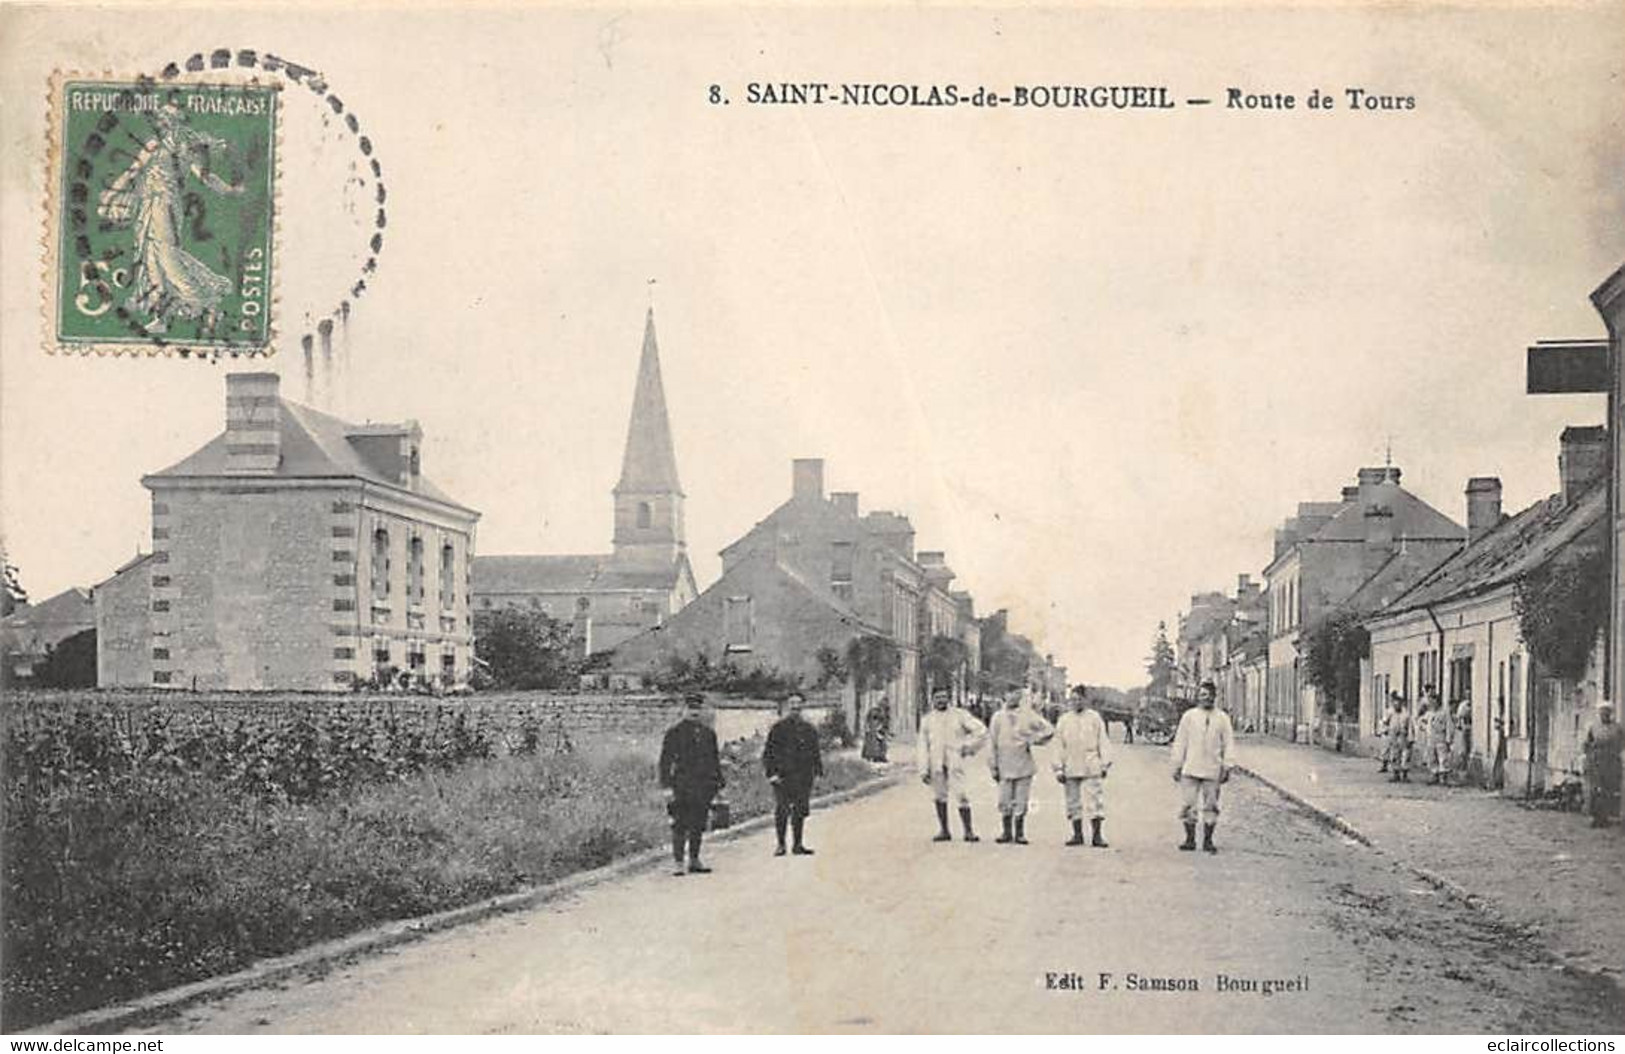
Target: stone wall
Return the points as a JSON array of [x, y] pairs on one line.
[[123, 630]]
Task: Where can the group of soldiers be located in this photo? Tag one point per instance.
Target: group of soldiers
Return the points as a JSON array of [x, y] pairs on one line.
[[1434, 736], [949, 736]]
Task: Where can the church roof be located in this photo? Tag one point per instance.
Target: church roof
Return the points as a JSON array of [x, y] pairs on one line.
[[589, 573], [314, 445], [650, 462]]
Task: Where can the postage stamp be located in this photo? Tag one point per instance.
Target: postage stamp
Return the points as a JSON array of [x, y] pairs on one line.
[[163, 216]]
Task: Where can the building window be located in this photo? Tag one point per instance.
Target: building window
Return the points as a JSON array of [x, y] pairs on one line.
[[160, 532], [380, 563], [160, 581], [645, 514], [448, 576], [343, 604], [840, 562], [160, 653], [342, 676], [345, 579], [414, 571], [342, 556], [160, 605], [343, 653], [342, 506], [160, 676], [738, 623], [380, 655]]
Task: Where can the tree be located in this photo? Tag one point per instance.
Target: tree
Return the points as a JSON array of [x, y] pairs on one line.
[[70, 663], [1004, 661], [1333, 652], [873, 662], [679, 673], [831, 668], [943, 660], [526, 649], [1160, 664], [15, 595]]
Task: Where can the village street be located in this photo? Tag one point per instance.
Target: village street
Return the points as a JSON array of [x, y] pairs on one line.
[[884, 931]]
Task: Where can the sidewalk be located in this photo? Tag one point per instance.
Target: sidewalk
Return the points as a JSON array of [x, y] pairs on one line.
[[1547, 871]]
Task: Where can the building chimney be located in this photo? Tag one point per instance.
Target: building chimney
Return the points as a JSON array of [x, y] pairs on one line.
[[1351, 493], [1379, 535], [845, 500], [1244, 586], [807, 478], [253, 424], [1582, 458], [1483, 506]]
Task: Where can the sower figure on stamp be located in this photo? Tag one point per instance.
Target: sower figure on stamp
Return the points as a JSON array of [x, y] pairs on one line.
[[692, 774], [792, 760], [1200, 754], [1603, 742], [1083, 757], [948, 735], [1398, 747], [1014, 732]]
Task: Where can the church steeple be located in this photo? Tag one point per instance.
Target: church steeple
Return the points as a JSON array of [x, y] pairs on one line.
[[648, 498]]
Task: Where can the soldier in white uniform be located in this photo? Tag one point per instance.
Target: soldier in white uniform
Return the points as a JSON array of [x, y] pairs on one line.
[[1200, 754], [948, 735], [1083, 757], [1014, 732]]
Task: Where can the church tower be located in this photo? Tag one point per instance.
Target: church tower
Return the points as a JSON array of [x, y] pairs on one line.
[[648, 498]]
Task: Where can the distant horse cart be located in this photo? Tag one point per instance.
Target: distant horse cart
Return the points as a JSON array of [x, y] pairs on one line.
[[1153, 720]]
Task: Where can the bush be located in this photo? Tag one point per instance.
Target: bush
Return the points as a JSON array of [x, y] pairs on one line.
[[834, 730]]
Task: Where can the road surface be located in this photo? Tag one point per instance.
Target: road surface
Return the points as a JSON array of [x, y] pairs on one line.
[[886, 931]]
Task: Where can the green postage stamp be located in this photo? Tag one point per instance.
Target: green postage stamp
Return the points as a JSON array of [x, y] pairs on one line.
[[163, 208]]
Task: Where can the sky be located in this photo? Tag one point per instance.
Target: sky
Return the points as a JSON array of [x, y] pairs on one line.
[[1096, 356]]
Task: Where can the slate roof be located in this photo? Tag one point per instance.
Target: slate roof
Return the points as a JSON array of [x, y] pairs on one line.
[[1400, 572], [315, 445], [591, 573], [1413, 518], [1518, 545], [649, 463]]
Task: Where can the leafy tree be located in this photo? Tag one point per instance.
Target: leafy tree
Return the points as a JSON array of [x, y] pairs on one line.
[[1004, 661], [526, 649], [1335, 646], [1161, 663], [1562, 606], [944, 658], [70, 663], [873, 662], [831, 668], [15, 596], [679, 673]]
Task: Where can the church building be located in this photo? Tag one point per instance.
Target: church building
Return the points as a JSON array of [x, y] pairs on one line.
[[645, 578]]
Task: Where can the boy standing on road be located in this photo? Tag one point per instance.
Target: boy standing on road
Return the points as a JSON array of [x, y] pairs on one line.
[[1201, 753], [1082, 760], [948, 735]]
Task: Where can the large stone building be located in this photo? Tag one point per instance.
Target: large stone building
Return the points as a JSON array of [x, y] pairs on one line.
[[1322, 556], [296, 551], [646, 578]]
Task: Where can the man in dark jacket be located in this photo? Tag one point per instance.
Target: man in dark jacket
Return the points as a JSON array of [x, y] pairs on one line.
[[692, 775], [792, 761]]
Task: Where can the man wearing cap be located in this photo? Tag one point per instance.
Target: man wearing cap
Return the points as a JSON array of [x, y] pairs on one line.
[[1083, 757], [1014, 732], [691, 773], [1441, 732], [792, 760], [1200, 754], [948, 735], [1602, 763]]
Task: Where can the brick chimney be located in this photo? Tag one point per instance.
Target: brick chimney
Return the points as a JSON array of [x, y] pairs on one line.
[[893, 529], [1351, 493], [1582, 458], [1245, 587], [807, 478], [1483, 506], [253, 424], [845, 500]]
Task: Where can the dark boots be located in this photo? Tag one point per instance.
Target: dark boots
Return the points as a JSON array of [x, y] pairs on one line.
[[679, 841], [1021, 829], [1207, 838], [1098, 842], [1077, 833], [694, 865], [779, 822], [942, 834], [1005, 837], [797, 824], [964, 821], [1190, 838]]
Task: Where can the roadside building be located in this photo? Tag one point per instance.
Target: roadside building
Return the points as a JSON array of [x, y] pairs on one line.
[[645, 579], [124, 624], [1459, 628], [30, 633], [1322, 555], [297, 551]]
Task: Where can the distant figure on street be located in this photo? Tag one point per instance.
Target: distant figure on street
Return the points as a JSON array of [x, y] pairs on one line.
[[1014, 732], [1441, 732], [1463, 745], [948, 735], [793, 761], [1397, 750], [1603, 742], [877, 730], [1083, 758], [1200, 755], [692, 774]]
